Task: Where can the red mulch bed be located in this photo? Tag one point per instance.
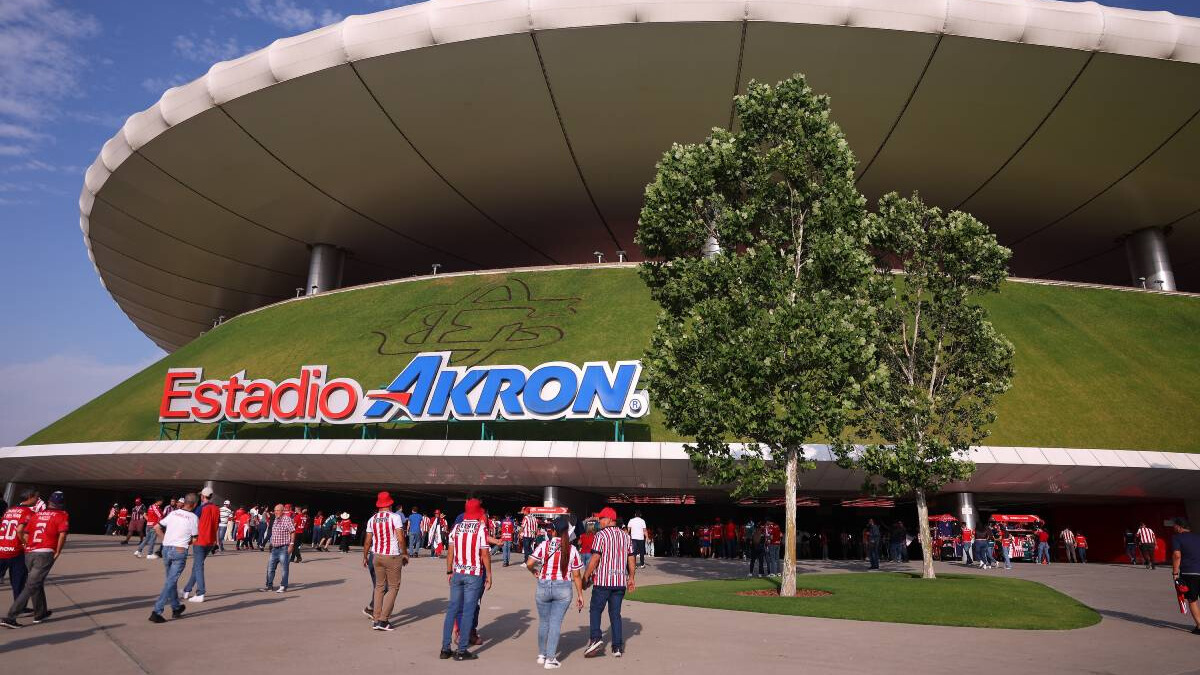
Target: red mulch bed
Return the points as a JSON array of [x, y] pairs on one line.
[[774, 593]]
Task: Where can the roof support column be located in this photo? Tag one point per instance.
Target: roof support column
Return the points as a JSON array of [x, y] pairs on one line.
[[967, 514], [1149, 264], [326, 263]]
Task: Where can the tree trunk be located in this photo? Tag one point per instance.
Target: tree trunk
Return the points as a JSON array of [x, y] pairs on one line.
[[787, 587], [926, 539]]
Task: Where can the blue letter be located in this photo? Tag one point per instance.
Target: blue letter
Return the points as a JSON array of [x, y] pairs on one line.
[[538, 379], [612, 395], [494, 386]]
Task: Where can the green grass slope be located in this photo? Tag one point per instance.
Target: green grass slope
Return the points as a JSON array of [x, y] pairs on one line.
[[1095, 368]]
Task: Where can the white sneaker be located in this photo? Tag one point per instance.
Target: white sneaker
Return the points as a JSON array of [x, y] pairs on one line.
[[197, 598], [551, 664], [281, 589], [137, 554], [593, 649], [618, 652], [187, 594], [151, 557], [541, 659]]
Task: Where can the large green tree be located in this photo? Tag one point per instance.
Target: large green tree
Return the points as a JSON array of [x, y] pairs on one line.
[[757, 243], [946, 364]]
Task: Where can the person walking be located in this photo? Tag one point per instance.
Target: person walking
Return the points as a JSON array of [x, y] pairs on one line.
[[774, 538], [611, 571], [637, 535], [557, 565], [178, 530], [413, 532], [1081, 547], [110, 524], [280, 533], [224, 522], [1131, 545], [44, 535], [386, 552], [1043, 546], [154, 515], [873, 536], [300, 520], [1068, 541], [967, 540], [137, 522], [1007, 543], [1147, 541], [756, 550], [12, 540], [1185, 566], [898, 540], [208, 516], [469, 573], [529, 528]]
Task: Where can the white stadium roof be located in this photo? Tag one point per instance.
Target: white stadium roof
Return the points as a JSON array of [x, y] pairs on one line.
[[499, 133]]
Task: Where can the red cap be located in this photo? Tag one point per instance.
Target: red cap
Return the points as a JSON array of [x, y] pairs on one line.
[[474, 510], [383, 500], [607, 512]]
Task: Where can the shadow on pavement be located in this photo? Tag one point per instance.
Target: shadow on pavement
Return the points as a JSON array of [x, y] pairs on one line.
[[423, 610], [504, 627], [572, 644], [45, 639], [1144, 620]]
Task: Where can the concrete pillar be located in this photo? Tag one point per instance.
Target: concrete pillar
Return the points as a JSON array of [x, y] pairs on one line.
[[236, 493], [967, 514], [325, 266], [580, 504], [1146, 251]]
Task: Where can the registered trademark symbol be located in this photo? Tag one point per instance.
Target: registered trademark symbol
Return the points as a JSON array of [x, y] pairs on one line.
[[635, 405]]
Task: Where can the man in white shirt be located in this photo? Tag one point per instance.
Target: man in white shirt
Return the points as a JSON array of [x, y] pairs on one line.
[[637, 532], [223, 527], [177, 529]]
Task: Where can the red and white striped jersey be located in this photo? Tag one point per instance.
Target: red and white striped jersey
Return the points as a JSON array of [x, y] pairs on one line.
[[614, 547], [468, 545], [529, 526], [1068, 537], [549, 553], [1145, 535], [383, 526]]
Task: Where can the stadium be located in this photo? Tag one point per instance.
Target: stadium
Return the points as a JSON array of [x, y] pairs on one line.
[[465, 178]]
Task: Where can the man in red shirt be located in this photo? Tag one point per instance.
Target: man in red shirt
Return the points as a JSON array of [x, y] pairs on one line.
[[206, 540], [718, 539], [12, 548], [508, 529], [43, 535], [300, 519], [153, 515]]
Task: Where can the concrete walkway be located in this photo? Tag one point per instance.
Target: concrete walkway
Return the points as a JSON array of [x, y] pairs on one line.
[[102, 596]]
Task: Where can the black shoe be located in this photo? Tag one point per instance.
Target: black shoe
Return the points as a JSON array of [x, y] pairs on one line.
[[370, 613], [1196, 630], [12, 623], [39, 619], [178, 611], [445, 654], [374, 625], [385, 625], [465, 655], [155, 617]]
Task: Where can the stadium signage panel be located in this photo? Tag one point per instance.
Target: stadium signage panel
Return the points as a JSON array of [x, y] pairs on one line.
[[428, 389]]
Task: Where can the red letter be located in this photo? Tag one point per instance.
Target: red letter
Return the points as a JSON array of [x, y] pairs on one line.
[[165, 413]]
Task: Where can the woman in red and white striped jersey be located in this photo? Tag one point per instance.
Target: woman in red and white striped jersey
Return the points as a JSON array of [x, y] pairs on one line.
[[560, 570]]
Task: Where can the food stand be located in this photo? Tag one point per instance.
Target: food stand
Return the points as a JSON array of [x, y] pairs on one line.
[[1022, 529], [942, 533]]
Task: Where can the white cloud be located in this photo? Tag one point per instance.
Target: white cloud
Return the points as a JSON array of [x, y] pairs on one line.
[[36, 394], [39, 165], [19, 132], [288, 15], [208, 50], [157, 85], [40, 57], [13, 150]]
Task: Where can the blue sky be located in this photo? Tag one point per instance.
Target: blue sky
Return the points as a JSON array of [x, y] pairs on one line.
[[70, 73]]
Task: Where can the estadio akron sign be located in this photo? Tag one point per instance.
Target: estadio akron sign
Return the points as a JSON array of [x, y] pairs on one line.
[[428, 389]]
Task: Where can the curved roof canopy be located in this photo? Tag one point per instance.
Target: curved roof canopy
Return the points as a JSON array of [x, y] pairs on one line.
[[494, 133]]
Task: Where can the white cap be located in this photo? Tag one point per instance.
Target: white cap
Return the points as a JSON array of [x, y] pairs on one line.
[[226, 502], [345, 515], [207, 492]]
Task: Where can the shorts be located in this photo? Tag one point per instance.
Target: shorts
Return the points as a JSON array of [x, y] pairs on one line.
[[639, 547], [1192, 581], [704, 543]]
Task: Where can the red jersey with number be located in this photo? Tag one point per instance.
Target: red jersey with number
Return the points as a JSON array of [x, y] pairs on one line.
[[44, 528], [506, 530], [718, 531], [10, 545]]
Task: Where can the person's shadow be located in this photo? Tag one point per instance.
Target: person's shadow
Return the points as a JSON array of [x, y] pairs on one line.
[[504, 627], [575, 642], [423, 610], [47, 639]]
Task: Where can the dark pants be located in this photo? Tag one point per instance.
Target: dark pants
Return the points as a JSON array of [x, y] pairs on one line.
[[1148, 554], [756, 553], [639, 549], [15, 567], [612, 596], [527, 547], [296, 548], [39, 565], [873, 553]]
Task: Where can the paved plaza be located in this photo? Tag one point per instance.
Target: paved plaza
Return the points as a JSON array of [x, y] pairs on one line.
[[101, 595]]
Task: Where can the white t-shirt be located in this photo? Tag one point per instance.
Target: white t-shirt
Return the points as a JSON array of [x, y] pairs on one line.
[[180, 526], [637, 528]]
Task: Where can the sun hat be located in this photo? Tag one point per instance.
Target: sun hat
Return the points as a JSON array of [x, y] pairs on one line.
[[383, 500], [345, 515], [207, 492]]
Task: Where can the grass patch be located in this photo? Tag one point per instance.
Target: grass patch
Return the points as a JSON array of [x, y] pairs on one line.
[[1094, 368], [951, 600]]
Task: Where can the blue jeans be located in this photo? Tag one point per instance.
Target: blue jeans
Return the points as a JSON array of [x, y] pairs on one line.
[[897, 552], [553, 598], [1008, 557], [611, 596], [151, 535], [196, 581], [174, 561], [17, 571], [873, 554], [465, 591], [222, 530], [506, 547], [414, 543], [773, 559], [1043, 553], [279, 556]]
